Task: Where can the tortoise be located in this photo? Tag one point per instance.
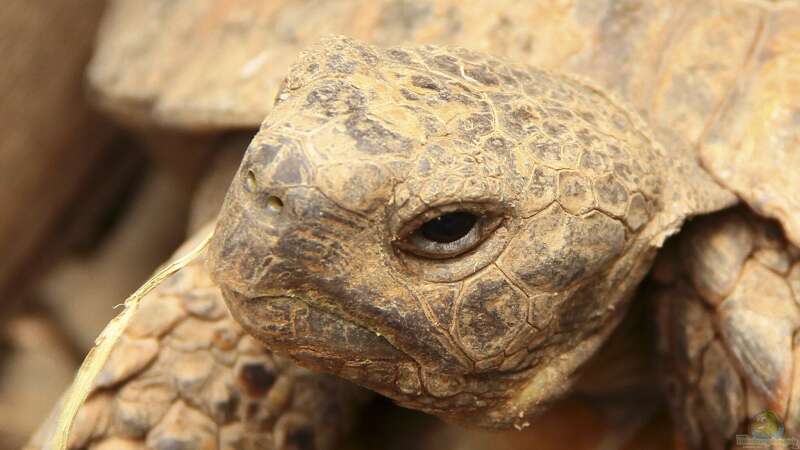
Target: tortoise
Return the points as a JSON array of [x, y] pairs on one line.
[[462, 226]]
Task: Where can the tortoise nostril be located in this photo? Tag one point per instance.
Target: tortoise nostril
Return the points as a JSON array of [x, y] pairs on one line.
[[274, 204], [271, 203], [250, 181]]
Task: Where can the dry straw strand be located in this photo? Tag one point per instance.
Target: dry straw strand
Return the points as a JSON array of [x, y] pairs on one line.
[[98, 355]]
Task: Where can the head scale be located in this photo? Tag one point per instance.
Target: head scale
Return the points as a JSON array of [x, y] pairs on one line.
[[457, 233]]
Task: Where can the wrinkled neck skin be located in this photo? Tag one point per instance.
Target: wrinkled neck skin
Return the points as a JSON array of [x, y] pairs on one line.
[[319, 250]]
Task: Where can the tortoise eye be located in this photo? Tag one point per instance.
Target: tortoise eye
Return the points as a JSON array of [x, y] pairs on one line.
[[448, 235], [448, 227]]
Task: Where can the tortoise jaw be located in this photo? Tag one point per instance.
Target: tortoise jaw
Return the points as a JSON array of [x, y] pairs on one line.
[[326, 342], [322, 340]]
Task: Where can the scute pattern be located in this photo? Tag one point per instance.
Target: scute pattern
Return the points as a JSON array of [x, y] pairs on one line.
[[729, 323], [184, 375]]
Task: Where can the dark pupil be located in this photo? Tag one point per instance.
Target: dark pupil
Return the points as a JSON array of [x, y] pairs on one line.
[[449, 227]]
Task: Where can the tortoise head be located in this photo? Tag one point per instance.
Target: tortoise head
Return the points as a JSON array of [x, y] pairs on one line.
[[456, 233]]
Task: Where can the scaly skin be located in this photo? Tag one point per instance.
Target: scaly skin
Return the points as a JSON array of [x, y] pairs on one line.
[[729, 315], [184, 375], [364, 145]]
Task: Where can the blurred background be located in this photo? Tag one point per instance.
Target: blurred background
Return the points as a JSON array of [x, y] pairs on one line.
[[88, 208], [101, 181]]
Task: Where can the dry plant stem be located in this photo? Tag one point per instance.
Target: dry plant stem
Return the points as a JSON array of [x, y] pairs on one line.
[[105, 342]]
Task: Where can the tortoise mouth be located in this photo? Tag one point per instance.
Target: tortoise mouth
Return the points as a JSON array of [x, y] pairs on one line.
[[318, 338]]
